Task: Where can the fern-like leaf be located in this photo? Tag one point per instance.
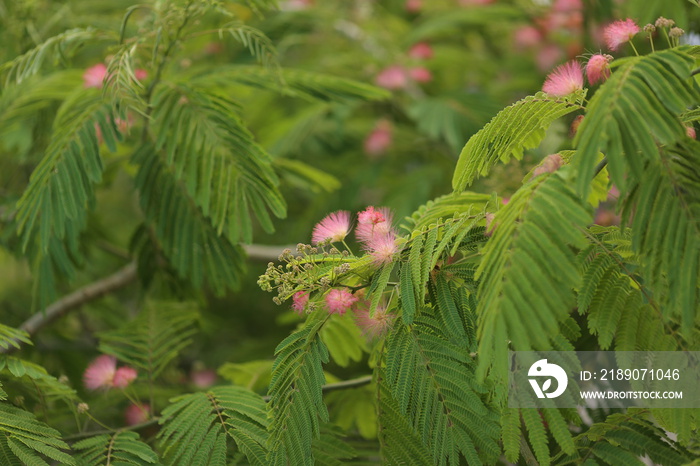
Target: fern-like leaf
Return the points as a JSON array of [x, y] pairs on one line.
[[154, 338], [296, 402], [12, 337], [122, 447], [432, 380], [514, 129], [27, 439], [196, 427], [528, 270], [216, 159], [186, 235], [639, 105]]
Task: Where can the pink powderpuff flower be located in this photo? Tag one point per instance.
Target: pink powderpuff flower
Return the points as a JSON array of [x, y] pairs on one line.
[[475, 2], [548, 56], [564, 80], [598, 69], [124, 376], [527, 37], [420, 74], [379, 140], [392, 78], [94, 76], [620, 32], [373, 223], [339, 301], [203, 378], [100, 372], [299, 301], [141, 74], [373, 327], [421, 51], [137, 414], [382, 248], [334, 227], [414, 6], [567, 5]]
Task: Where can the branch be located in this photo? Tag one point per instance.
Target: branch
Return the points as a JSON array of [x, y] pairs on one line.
[[352, 383], [117, 280], [121, 278]]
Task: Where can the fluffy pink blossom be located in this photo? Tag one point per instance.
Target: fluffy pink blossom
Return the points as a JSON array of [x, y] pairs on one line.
[[414, 6], [299, 301], [334, 227], [137, 413], [140, 74], [620, 32], [598, 69], [203, 378], [421, 51], [475, 2], [567, 5], [339, 300], [548, 56], [379, 140], [420, 74], [100, 372], [382, 248], [527, 37], [376, 326], [373, 223], [94, 76], [393, 77], [124, 376], [564, 80]]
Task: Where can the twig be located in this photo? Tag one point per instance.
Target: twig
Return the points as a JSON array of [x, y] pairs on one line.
[[121, 278], [117, 280], [352, 383]]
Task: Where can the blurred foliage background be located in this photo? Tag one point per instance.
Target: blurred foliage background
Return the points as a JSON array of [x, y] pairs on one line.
[[449, 66]]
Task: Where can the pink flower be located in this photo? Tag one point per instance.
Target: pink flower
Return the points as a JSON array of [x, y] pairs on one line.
[[124, 376], [548, 56], [564, 80], [393, 77], [334, 227], [141, 74], [203, 378], [567, 5], [420, 74], [597, 69], [421, 51], [690, 132], [100, 372], [137, 414], [620, 32], [382, 248], [527, 37], [373, 223], [373, 327], [605, 217], [414, 6], [299, 301], [379, 140], [94, 76], [475, 2], [296, 5], [339, 301]]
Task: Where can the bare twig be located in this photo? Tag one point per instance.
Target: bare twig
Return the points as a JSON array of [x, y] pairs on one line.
[[117, 280], [121, 278]]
